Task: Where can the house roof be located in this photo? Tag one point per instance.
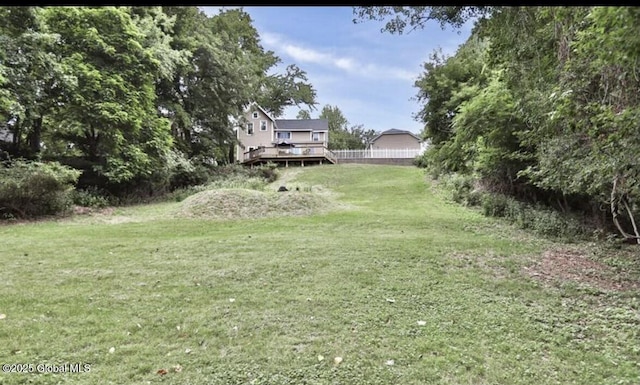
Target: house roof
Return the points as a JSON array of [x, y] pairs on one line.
[[395, 131], [256, 105], [302, 124]]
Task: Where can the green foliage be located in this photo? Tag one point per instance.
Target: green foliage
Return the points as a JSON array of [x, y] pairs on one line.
[[303, 114], [446, 84], [182, 193], [121, 87], [90, 197], [465, 190], [182, 172], [542, 220], [267, 171], [238, 176], [31, 189], [341, 136], [335, 117], [111, 114], [539, 103], [407, 19], [289, 89], [37, 79]]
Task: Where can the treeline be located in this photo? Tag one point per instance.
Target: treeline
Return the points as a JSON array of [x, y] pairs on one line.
[[342, 135], [540, 104], [140, 99]]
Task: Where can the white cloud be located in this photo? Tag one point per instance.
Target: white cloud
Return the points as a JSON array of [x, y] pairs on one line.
[[344, 63], [303, 54]]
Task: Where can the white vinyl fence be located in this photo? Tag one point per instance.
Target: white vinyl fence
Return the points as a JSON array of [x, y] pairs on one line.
[[386, 153]]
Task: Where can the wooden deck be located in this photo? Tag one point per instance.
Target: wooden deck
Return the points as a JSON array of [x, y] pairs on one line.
[[300, 154]]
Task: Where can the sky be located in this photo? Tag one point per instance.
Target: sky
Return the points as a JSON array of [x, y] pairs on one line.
[[368, 74]]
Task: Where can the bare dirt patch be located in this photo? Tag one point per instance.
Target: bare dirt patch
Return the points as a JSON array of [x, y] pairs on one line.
[[561, 266]]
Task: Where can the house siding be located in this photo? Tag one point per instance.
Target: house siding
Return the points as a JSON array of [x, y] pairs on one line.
[[259, 138], [301, 138], [396, 141], [322, 138]]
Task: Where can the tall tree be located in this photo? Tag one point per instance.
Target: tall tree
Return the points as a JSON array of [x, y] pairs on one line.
[[446, 84], [292, 88], [36, 79], [303, 114], [111, 114], [341, 137], [547, 106]]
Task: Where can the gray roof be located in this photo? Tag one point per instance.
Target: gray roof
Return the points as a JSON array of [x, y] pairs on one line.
[[395, 131], [302, 124]]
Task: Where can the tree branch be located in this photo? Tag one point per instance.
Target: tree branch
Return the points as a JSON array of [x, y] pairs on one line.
[[633, 221], [614, 210]]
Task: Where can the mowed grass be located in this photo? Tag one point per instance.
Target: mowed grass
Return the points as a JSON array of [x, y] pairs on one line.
[[403, 286]]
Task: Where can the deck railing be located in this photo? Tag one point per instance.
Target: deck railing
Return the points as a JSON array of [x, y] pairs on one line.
[[303, 151], [300, 151], [385, 153]]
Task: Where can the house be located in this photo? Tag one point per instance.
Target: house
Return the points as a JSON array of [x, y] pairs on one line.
[[6, 135], [261, 139], [395, 139]]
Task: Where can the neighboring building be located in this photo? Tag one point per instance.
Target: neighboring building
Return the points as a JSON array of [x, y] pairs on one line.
[[395, 139], [262, 138], [6, 135]]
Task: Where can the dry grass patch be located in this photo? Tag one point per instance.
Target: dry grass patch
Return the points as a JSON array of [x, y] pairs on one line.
[[565, 265], [244, 203]]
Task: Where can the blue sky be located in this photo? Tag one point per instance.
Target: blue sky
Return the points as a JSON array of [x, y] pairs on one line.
[[368, 74]]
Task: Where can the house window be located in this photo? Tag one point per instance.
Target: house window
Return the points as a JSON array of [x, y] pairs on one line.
[[283, 135], [263, 125], [316, 137], [249, 128], [255, 115]]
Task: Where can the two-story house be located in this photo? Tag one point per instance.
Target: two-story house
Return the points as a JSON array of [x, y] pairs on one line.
[[261, 139]]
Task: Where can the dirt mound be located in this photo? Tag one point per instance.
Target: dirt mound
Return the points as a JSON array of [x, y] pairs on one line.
[[558, 266], [244, 203]]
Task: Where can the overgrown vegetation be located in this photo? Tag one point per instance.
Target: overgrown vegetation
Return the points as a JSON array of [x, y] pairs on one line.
[[35, 188], [540, 103], [142, 100], [538, 218]]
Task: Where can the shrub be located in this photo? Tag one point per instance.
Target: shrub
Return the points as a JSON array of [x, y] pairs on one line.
[[31, 189], [420, 161], [461, 188], [538, 218], [494, 205], [182, 193], [89, 197], [541, 220], [267, 171]]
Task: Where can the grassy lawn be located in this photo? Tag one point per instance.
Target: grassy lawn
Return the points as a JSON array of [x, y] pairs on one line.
[[403, 286]]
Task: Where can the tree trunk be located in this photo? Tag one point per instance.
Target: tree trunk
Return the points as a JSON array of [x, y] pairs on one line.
[[633, 221], [232, 159], [17, 131], [33, 139], [615, 205]]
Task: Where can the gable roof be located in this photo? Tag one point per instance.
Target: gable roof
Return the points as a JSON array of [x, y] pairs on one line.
[[395, 131], [256, 105], [302, 124]]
